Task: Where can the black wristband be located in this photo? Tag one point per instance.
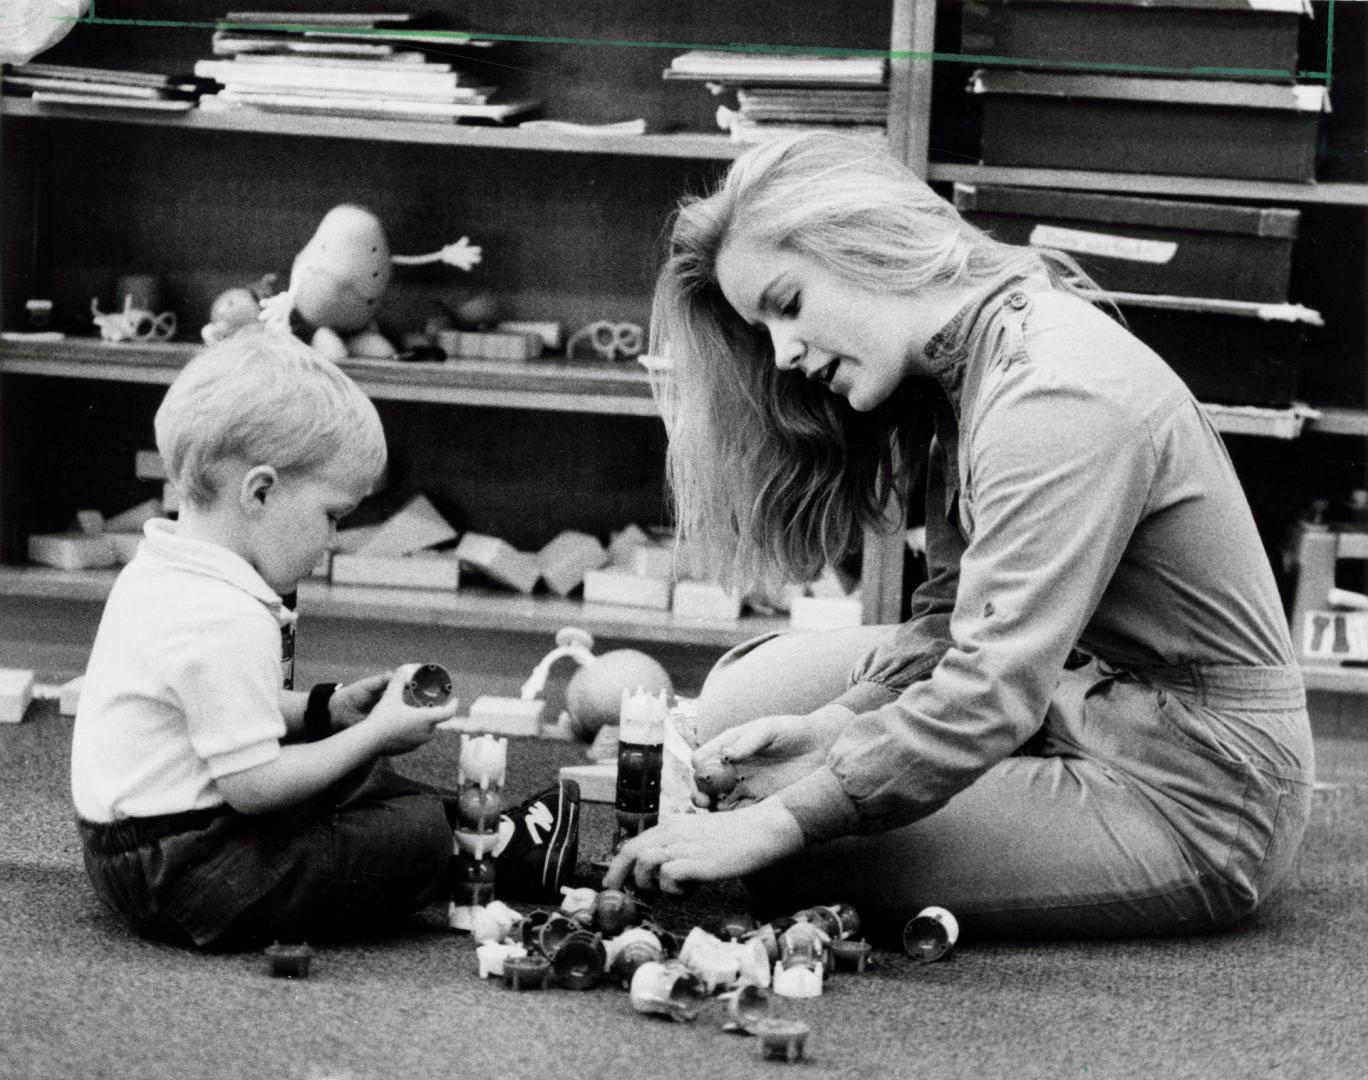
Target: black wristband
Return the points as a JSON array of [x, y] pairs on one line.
[[317, 718]]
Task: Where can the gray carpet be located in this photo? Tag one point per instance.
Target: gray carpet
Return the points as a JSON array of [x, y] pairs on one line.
[[1286, 996]]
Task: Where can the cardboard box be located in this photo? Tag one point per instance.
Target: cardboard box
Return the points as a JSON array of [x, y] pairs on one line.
[[1165, 246], [1176, 127], [1226, 351], [1260, 38]]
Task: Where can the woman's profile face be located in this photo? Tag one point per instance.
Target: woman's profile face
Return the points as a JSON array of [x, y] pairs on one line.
[[855, 342]]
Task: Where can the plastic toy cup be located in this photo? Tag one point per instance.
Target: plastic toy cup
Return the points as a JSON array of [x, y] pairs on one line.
[[930, 935], [288, 961], [526, 972], [579, 961], [428, 685], [669, 989], [782, 1040]]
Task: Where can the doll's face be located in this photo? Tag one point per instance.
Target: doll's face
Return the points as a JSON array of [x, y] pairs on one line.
[[854, 341]]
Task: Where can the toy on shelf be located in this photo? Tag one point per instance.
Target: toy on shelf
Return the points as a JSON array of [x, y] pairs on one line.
[[238, 307], [605, 340], [132, 323], [339, 278], [480, 773]]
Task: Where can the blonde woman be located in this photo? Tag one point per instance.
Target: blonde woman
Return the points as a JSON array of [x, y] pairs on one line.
[[1092, 723]]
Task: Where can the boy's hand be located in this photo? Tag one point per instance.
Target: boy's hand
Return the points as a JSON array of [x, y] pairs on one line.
[[398, 728], [352, 703]]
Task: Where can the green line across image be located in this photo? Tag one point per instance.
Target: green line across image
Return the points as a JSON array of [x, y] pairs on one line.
[[456, 36]]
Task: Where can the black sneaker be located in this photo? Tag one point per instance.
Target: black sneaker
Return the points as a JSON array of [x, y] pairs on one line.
[[542, 845]]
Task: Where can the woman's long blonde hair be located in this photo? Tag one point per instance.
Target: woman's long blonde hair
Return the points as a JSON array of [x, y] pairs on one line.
[[772, 476]]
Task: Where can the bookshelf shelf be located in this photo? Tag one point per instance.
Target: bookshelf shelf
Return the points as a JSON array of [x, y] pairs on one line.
[[473, 608]]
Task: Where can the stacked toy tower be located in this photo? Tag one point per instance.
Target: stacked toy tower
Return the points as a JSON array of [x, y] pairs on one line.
[[641, 748], [480, 775]]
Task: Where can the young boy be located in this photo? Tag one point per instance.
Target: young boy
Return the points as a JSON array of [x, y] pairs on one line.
[[215, 807]]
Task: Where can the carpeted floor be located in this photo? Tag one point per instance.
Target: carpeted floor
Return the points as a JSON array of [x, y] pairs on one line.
[[81, 999]]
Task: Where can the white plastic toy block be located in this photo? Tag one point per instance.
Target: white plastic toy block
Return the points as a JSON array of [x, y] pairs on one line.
[[125, 544], [16, 691], [597, 782], [653, 560], [499, 560], [824, 613], [500, 716], [69, 696], [612, 586], [71, 550], [134, 518], [705, 601], [416, 526], [624, 542], [148, 465], [420, 570], [354, 539], [567, 558]]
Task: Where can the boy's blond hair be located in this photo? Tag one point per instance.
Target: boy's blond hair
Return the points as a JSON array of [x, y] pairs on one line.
[[264, 398]]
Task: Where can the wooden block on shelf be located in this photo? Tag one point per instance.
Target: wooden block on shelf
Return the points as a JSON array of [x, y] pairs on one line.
[[499, 560], [125, 544], [89, 522], [551, 333], [16, 692], [500, 716], [148, 465], [170, 498], [567, 558], [597, 782], [705, 601], [490, 345], [614, 586], [134, 518], [71, 550], [417, 525], [825, 612], [69, 696], [354, 539], [653, 560], [421, 570], [624, 542]]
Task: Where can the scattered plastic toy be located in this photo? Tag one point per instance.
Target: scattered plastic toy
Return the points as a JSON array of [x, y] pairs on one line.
[[429, 684], [782, 1040], [931, 934], [288, 961]]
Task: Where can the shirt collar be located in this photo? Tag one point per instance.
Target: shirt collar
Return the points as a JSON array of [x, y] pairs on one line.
[[948, 350], [210, 560]]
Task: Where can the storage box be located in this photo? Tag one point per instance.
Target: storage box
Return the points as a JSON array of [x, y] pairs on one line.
[[1258, 37], [1147, 245], [1228, 352], [1179, 127]]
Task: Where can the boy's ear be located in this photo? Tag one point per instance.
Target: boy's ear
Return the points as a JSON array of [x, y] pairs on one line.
[[257, 483]]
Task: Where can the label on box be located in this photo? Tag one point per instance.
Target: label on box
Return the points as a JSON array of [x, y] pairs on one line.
[[1128, 248], [1335, 635]]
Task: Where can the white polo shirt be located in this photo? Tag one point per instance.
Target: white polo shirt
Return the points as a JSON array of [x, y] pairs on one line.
[[183, 684]]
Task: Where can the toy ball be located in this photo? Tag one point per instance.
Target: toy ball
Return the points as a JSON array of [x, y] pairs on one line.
[[593, 696]]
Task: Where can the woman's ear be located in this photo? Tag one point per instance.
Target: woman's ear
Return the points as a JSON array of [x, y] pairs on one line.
[[257, 483]]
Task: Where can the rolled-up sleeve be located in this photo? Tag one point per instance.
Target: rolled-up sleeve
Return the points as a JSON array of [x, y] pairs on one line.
[[1059, 476]]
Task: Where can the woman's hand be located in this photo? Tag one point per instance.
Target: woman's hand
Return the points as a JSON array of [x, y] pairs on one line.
[[705, 847], [774, 751], [352, 703]]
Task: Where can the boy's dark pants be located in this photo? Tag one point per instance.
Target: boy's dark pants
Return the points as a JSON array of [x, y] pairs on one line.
[[352, 861]]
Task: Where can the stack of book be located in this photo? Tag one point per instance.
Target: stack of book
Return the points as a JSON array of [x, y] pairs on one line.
[[363, 65], [781, 93], [62, 84]]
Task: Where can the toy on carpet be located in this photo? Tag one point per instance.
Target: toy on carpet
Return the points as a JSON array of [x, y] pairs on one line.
[[337, 282], [480, 774], [640, 757], [288, 961]]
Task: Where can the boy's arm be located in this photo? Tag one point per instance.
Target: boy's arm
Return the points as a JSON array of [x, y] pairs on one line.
[[303, 770]]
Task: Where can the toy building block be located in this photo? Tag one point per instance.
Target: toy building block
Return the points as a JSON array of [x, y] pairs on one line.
[[782, 1040], [613, 586], [427, 685], [652, 560], [490, 345], [527, 972], [499, 560], [71, 550], [353, 540], [417, 525], [125, 544], [597, 782], [641, 754], [170, 497], [69, 696], [134, 518], [148, 465], [500, 716], [825, 613], [623, 542], [551, 333], [492, 957], [288, 961], [705, 601], [16, 692], [421, 570], [930, 935], [89, 522], [480, 773], [667, 989], [567, 558]]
